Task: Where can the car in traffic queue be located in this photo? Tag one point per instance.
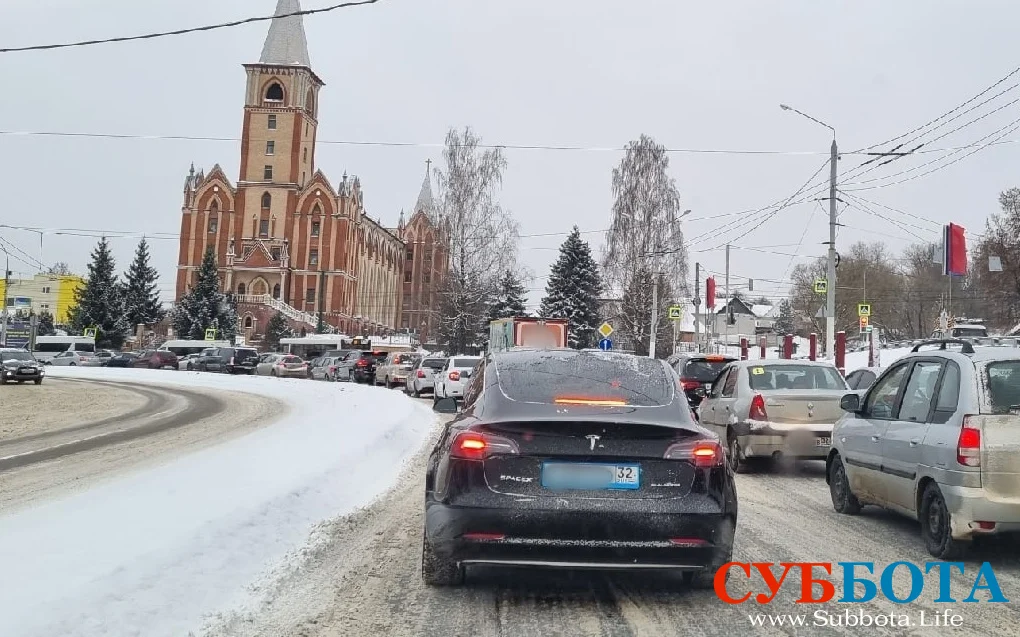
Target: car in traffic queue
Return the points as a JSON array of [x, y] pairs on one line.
[[75, 359], [323, 368], [393, 371], [156, 359], [123, 359], [778, 409], [187, 362], [450, 381], [422, 377], [103, 357], [576, 459], [936, 438], [360, 366], [19, 366], [284, 366], [697, 372]]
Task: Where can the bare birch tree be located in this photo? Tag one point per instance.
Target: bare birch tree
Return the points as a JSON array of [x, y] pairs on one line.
[[482, 237], [645, 231]]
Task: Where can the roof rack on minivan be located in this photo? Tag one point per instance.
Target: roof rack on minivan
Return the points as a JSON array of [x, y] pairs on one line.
[[965, 346]]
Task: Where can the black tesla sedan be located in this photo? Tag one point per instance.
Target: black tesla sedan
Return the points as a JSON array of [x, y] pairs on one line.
[[576, 459]]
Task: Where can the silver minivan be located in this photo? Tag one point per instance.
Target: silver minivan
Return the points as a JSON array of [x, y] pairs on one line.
[[935, 438]]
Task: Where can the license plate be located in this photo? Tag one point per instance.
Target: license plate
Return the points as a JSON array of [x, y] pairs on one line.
[[823, 442], [590, 476], [27, 370]]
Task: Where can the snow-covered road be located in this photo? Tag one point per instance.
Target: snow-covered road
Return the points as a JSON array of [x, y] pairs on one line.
[[158, 550]]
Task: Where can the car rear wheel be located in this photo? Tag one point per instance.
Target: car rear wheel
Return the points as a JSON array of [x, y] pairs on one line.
[[734, 452], [843, 499], [437, 571], [38, 381], [723, 554], [74, 364], [936, 526]]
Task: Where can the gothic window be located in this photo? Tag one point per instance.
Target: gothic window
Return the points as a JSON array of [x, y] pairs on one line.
[[267, 201], [240, 289], [274, 93], [213, 220], [310, 102], [264, 229], [248, 322], [410, 254], [276, 291], [306, 155], [313, 257], [316, 227]]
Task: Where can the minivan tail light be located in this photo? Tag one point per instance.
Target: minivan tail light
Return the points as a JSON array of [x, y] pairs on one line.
[[420, 374], [473, 445], [968, 447], [757, 411], [690, 384], [455, 375], [362, 363], [701, 453]]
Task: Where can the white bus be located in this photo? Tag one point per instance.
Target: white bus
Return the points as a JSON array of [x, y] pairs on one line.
[[182, 348], [47, 347]]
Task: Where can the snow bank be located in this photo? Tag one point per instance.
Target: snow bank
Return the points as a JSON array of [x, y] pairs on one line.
[[153, 552]]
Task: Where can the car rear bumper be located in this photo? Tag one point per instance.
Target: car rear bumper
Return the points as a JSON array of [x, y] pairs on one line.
[[795, 443], [579, 539], [969, 505]]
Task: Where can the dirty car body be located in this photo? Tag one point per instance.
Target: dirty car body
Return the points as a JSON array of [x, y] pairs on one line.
[[576, 459]]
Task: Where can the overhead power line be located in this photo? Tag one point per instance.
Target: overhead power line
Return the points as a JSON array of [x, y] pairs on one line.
[[163, 34]]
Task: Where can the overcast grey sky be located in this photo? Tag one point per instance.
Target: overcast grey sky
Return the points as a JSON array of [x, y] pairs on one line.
[[590, 73]]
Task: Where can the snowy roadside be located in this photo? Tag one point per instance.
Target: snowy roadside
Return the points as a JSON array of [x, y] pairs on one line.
[[159, 550]]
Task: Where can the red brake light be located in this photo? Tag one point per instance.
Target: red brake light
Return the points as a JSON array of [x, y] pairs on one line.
[[757, 411], [702, 453], [690, 384], [968, 448], [472, 445], [597, 402], [454, 375], [332, 368], [420, 374], [715, 358], [362, 363]]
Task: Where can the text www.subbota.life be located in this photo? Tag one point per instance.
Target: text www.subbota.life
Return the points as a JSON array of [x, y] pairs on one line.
[[860, 618]]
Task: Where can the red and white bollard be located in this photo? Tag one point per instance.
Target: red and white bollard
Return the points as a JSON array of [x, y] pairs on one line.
[[788, 346], [743, 349], [813, 352], [761, 344], [841, 352]]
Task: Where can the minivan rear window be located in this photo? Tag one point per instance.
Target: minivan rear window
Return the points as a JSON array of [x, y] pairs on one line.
[[84, 347], [434, 363], [584, 378], [702, 370], [1003, 386]]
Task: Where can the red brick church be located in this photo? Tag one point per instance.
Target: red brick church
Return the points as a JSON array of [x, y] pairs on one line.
[[286, 238]]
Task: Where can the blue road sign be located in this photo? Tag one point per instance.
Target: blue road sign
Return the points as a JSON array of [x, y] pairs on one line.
[[605, 345]]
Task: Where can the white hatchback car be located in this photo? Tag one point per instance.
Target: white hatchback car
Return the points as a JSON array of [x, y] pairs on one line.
[[453, 378]]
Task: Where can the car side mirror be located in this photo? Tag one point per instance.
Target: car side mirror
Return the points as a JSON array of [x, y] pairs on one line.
[[446, 406], [851, 403]]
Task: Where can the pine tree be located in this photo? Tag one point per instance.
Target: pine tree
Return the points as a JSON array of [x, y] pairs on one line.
[[141, 290], [45, 326], [784, 322], [100, 302], [204, 306], [573, 291], [510, 297], [277, 329]]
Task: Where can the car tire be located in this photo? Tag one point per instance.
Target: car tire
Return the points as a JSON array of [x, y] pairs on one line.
[[937, 527], [843, 499], [416, 393], [705, 579], [38, 381], [436, 571], [73, 365], [734, 453]]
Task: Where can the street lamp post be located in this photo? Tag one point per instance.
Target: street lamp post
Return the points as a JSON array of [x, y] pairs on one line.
[[655, 297], [830, 283]]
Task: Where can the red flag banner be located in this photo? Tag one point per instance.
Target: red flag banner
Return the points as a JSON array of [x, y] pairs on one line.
[[710, 292], [956, 252]]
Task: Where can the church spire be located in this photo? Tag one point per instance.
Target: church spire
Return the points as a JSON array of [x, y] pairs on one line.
[[286, 44], [425, 201]]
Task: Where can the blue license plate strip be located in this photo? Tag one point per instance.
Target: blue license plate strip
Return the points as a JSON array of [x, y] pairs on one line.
[[618, 476]]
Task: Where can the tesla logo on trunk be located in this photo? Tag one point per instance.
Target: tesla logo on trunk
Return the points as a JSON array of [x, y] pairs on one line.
[[592, 438]]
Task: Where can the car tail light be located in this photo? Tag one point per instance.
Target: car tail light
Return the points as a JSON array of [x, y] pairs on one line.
[[484, 537], [968, 447], [757, 411], [690, 384], [332, 368], [472, 445], [454, 375], [703, 453], [420, 374], [362, 363], [687, 542], [83, 359]]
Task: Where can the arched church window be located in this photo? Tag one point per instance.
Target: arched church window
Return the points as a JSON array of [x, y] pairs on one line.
[[267, 201], [274, 93]]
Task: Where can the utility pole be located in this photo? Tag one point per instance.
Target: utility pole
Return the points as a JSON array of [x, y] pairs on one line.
[[655, 314], [697, 304], [830, 283], [7, 292], [728, 307]]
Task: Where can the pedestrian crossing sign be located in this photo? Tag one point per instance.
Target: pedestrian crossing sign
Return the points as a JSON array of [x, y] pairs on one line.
[[90, 332], [676, 313], [864, 309], [210, 334], [821, 286]]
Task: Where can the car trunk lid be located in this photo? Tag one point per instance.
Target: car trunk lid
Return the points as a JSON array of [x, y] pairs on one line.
[[803, 406], [553, 455], [1000, 453]]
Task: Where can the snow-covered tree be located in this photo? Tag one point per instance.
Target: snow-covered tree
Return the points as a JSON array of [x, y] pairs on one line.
[[141, 290], [204, 306], [100, 303], [277, 329], [482, 237], [59, 269], [784, 322], [573, 291], [45, 325], [636, 314], [510, 298], [645, 231]]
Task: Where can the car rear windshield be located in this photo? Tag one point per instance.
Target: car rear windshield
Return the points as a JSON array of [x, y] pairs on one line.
[[703, 370], [1003, 386], [434, 363], [85, 347], [245, 354], [16, 355], [766, 377], [461, 363], [290, 359], [584, 377], [406, 359]]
